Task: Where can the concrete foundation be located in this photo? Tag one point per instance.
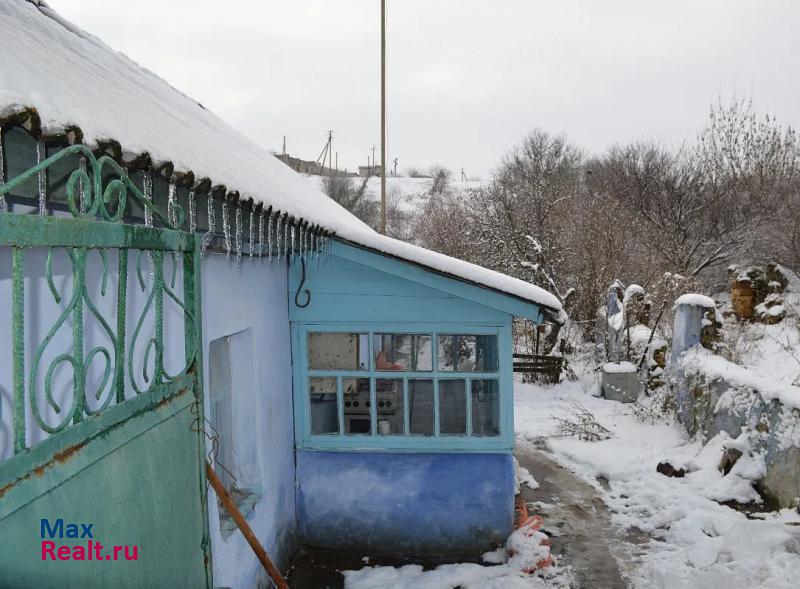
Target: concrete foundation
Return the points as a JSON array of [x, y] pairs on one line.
[[620, 382]]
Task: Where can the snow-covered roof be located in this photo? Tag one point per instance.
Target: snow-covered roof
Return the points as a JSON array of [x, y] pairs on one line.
[[73, 79], [696, 299]]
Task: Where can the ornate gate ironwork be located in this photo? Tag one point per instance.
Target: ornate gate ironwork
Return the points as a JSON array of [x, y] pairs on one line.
[[95, 227], [133, 393]]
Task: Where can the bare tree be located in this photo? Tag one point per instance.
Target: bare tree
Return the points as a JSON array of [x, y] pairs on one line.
[[445, 226], [638, 212], [520, 217], [692, 222], [755, 161], [441, 179], [352, 197]]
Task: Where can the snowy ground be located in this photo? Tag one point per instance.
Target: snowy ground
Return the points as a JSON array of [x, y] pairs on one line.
[[694, 541]]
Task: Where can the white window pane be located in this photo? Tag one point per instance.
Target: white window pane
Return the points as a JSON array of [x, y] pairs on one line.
[[403, 351], [338, 351], [322, 400], [452, 407], [357, 418], [420, 406], [485, 408], [389, 396]]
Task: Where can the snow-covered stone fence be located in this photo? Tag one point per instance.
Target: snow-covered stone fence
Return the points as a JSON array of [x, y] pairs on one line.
[[759, 413]]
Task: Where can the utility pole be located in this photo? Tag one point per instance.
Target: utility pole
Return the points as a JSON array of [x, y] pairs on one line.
[[284, 145], [395, 167], [330, 152], [383, 117], [373, 166], [337, 162]]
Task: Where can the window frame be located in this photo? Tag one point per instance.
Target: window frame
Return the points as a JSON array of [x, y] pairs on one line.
[[406, 442]]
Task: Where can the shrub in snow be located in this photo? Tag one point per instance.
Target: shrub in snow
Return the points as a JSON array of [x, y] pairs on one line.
[[579, 423]]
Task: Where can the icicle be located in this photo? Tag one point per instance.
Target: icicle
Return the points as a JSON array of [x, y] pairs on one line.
[[2, 172], [40, 155], [302, 241], [212, 221], [286, 235], [261, 234], [147, 186], [226, 227], [192, 212], [252, 232], [315, 244], [278, 233], [269, 236], [172, 213], [293, 248], [238, 231]]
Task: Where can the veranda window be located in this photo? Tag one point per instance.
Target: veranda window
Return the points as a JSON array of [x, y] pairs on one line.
[[386, 385]]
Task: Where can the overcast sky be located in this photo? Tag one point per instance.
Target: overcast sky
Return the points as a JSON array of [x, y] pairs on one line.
[[467, 78]]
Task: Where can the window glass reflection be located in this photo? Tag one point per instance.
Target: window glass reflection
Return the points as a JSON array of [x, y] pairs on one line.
[[467, 353], [356, 397], [403, 351], [420, 406], [322, 400], [452, 407], [485, 408], [389, 397], [338, 351]]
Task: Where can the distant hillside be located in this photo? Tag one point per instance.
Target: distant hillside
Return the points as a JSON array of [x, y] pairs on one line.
[[408, 194]]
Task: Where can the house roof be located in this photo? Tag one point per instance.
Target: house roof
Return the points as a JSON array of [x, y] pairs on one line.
[[74, 80]]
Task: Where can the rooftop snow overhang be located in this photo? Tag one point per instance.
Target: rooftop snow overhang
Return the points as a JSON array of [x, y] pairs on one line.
[[66, 85]]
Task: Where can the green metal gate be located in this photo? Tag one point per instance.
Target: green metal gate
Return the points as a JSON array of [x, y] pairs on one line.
[[126, 452]]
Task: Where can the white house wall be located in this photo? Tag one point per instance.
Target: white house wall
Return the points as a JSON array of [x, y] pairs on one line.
[[254, 297]]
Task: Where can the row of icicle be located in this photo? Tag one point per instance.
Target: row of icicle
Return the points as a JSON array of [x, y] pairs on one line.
[[283, 238]]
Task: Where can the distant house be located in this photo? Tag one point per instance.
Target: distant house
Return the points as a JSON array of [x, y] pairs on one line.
[[369, 171], [303, 166], [308, 167], [174, 294]]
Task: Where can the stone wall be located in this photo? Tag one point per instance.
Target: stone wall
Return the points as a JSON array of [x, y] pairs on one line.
[[708, 403]]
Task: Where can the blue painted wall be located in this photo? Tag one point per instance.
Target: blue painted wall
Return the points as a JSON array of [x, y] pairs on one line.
[[406, 504], [354, 284], [401, 495]]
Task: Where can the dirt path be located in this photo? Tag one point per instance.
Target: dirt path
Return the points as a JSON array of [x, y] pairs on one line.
[[578, 521]]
